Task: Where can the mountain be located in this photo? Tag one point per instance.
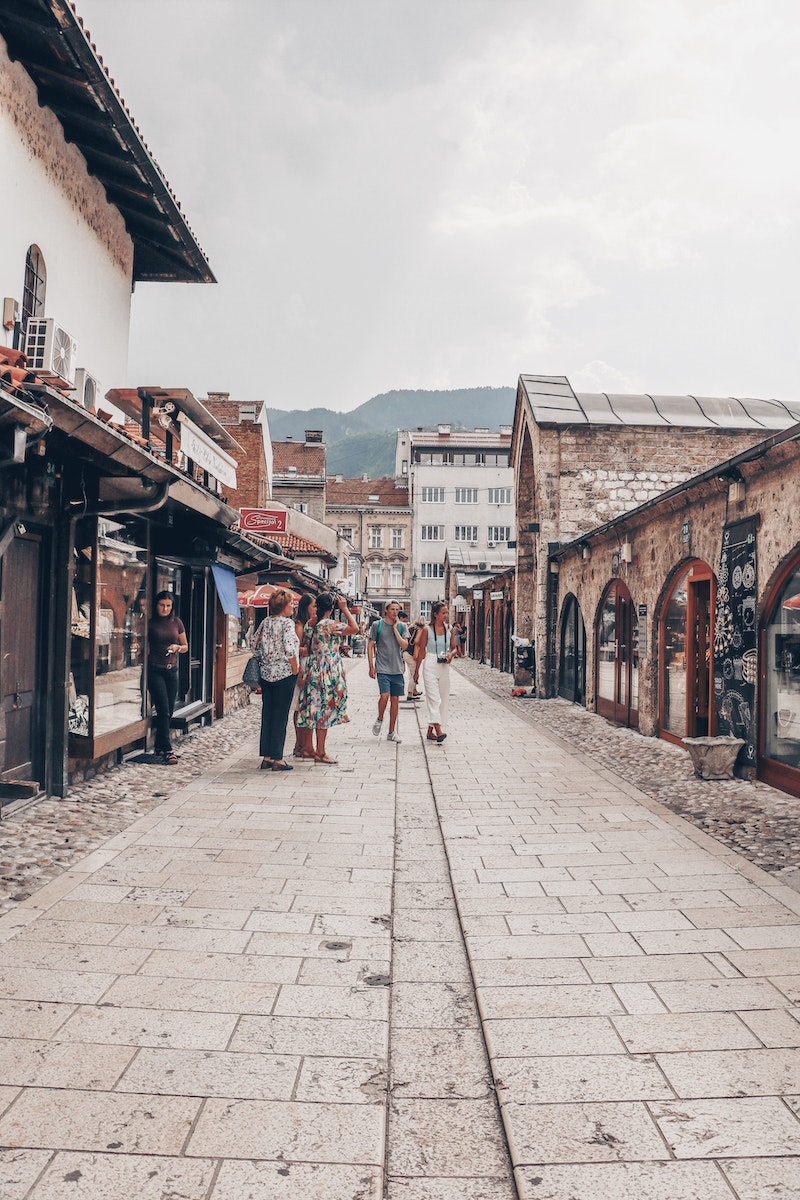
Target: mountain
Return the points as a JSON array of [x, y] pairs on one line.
[[363, 441]]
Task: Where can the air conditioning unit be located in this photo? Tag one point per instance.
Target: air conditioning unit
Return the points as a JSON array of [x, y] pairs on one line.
[[50, 348], [491, 545], [481, 566], [87, 389]]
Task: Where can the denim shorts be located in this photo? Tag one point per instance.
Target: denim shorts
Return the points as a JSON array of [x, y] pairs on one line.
[[393, 684]]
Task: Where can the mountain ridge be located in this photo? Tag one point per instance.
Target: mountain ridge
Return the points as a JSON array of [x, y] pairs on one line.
[[363, 440]]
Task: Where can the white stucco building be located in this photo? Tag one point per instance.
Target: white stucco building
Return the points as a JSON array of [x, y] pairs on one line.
[[461, 489]]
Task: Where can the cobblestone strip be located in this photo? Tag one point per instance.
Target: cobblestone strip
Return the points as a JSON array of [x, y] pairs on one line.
[[638, 983], [757, 821], [445, 1140]]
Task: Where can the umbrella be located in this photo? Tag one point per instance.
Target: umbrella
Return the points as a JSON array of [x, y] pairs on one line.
[[792, 602], [259, 597]]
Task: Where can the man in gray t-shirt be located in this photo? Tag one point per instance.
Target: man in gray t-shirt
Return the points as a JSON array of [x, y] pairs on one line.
[[387, 640]]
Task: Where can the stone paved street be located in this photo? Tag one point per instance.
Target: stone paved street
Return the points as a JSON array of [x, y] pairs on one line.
[[475, 971], [752, 818]]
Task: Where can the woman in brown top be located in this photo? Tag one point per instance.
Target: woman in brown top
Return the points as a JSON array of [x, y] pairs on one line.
[[166, 638]]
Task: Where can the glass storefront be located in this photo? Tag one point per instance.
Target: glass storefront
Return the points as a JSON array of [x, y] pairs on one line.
[[781, 680], [673, 695], [108, 623]]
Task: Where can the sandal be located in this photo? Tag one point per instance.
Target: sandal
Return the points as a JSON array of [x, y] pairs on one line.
[[308, 754], [430, 735], [170, 759], [323, 758]]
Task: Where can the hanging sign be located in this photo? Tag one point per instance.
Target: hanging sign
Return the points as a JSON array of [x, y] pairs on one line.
[[495, 595], [263, 520], [736, 636], [205, 453], [477, 594]]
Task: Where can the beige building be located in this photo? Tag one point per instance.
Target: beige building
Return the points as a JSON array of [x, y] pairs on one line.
[[374, 517]]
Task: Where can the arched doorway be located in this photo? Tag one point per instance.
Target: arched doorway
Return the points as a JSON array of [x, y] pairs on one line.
[[686, 678], [572, 657], [779, 682], [618, 657]]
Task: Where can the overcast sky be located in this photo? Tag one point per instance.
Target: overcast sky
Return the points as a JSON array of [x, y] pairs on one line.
[[448, 193]]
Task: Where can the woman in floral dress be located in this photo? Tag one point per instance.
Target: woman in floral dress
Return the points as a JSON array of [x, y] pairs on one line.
[[323, 700]]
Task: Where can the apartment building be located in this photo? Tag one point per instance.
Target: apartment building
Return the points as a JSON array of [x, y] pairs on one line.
[[461, 490]]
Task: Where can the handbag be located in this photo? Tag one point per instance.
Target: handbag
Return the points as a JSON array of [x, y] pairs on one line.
[[252, 673]]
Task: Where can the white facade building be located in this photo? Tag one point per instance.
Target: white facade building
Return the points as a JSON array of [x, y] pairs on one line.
[[461, 489]]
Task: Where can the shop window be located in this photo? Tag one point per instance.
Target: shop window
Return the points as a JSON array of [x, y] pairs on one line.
[[781, 682], [686, 679], [617, 655], [572, 660], [108, 627]]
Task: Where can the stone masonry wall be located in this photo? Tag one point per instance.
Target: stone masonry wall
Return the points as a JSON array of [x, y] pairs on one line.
[[607, 470]]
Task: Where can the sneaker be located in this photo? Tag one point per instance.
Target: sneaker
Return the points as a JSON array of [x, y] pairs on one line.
[[377, 727], [393, 737]]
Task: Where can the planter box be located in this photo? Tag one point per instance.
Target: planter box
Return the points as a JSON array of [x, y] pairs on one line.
[[713, 757]]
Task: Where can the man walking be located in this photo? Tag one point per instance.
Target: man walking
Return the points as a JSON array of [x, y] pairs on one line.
[[385, 645]]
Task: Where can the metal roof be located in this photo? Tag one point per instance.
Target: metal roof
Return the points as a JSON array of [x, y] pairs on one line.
[[553, 402], [48, 38]]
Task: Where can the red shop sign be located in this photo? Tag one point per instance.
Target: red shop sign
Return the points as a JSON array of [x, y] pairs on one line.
[[263, 520]]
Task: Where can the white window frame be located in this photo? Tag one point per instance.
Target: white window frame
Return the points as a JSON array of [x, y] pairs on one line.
[[466, 533], [395, 575], [466, 495], [433, 495], [432, 533], [347, 532], [499, 533], [500, 495], [398, 538], [425, 609], [375, 576], [375, 537], [431, 570]]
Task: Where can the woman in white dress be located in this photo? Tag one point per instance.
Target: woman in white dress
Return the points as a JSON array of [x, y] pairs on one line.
[[435, 648]]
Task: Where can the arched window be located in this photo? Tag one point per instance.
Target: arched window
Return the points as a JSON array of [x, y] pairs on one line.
[[780, 683], [617, 655], [572, 660], [34, 286]]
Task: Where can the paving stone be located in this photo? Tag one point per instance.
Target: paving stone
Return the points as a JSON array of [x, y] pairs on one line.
[[667, 1032], [220, 1073], [284, 1180], [297, 1132], [579, 1079], [66, 1119], [759, 1072], [731, 1128], [19, 1169], [762, 1179], [623, 1181], [574, 1133], [428, 1138]]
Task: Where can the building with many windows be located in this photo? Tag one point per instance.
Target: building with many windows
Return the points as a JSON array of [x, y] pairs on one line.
[[374, 517], [461, 489]]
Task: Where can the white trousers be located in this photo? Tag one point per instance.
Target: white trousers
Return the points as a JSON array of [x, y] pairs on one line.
[[436, 677]]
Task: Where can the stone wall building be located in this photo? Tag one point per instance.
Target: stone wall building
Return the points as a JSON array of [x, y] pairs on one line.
[[582, 459], [682, 617]]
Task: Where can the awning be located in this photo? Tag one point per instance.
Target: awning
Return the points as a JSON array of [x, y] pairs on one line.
[[225, 580]]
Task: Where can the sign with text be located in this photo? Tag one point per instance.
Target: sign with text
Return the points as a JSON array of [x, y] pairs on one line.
[[206, 454], [495, 595], [263, 520]]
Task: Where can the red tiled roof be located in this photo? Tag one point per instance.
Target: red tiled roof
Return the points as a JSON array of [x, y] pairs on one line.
[[309, 460], [357, 492], [292, 543]]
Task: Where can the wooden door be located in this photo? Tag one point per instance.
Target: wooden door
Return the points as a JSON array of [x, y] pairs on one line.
[[20, 609], [618, 658]]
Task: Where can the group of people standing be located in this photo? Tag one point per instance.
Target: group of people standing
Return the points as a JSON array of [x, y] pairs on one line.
[[300, 663], [301, 671]]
